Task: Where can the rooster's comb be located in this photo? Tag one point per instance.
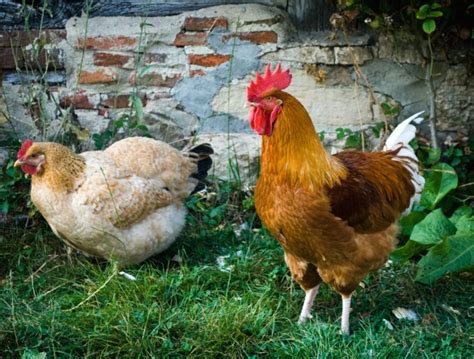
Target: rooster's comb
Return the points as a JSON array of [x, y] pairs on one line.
[[276, 80], [24, 147]]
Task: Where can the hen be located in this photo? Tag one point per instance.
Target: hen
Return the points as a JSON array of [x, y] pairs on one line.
[[123, 203], [334, 216]]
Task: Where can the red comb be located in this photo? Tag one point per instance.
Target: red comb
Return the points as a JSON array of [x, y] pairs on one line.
[[276, 80], [24, 147]]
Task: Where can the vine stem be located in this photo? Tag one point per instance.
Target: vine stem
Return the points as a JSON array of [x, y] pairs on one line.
[[432, 97]]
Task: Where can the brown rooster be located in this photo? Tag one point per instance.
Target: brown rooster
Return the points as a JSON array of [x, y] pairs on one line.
[[334, 216], [124, 203]]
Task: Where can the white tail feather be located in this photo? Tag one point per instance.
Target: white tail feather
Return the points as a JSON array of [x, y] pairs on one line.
[[403, 133], [401, 137]]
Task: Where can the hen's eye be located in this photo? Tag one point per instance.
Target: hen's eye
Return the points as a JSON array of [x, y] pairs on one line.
[[33, 155]]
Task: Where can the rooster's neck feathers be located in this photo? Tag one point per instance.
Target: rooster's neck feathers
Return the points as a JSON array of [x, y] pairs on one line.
[[61, 169], [295, 152]]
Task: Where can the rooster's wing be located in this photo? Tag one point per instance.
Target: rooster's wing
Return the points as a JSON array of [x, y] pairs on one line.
[[375, 192]]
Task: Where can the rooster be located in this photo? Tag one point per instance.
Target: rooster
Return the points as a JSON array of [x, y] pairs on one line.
[[335, 215], [124, 203]]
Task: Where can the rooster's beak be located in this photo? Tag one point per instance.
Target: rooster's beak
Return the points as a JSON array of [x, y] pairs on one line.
[[18, 163], [250, 104]]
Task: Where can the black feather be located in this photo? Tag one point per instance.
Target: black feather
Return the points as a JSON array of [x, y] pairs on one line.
[[204, 164]]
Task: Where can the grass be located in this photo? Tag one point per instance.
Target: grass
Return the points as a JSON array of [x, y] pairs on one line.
[[76, 307]]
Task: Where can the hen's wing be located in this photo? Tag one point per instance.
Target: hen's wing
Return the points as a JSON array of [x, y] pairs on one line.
[[149, 158], [117, 195], [376, 191], [133, 178]]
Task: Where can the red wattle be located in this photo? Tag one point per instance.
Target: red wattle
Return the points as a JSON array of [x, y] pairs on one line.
[[31, 170], [260, 121]]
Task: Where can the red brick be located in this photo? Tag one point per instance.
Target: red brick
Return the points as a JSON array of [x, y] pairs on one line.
[[194, 73], [208, 60], [107, 42], [23, 38], [97, 77], [103, 112], [108, 59], [190, 39], [204, 23], [258, 37], [78, 101], [151, 79], [120, 101], [11, 58]]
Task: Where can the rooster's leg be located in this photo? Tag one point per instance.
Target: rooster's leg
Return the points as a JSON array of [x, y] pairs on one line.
[[308, 303], [346, 310]]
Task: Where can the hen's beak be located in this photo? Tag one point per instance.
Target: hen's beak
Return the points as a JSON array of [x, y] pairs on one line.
[[18, 163]]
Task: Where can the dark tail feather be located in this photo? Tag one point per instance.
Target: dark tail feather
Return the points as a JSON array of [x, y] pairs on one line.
[[203, 154]]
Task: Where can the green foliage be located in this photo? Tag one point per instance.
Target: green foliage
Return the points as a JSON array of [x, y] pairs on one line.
[[422, 16], [446, 243], [427, 13], [129, 124], [183, 303], [14, 187], [355, 139], [441, 180]]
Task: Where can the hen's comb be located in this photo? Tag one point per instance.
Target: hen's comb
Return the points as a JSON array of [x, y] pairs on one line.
[[276, 80], [24, 147]]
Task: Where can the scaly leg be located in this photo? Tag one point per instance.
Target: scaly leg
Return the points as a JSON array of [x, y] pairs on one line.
[[346, 311], [308, 303]]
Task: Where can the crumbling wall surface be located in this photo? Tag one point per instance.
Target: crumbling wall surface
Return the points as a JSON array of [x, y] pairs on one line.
[[191, 71]]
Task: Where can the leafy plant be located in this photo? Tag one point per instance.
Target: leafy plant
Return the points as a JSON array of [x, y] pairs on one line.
[[428, 13], [14, 194], [448, 242], [129, 124]]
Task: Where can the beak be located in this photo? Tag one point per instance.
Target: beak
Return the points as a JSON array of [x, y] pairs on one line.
[[250, 104], [18, 163]]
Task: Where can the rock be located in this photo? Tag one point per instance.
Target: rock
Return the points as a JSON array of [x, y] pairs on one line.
[[454, 100], [350, 55], [92, 121], [307, 54], [18, 113], [167, 122], [4, 157], [399, 49]]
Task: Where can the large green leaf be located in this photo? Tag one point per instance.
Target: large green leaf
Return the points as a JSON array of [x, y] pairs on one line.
[[408, 222], [433, 228], [463, 211], [465, 225], [410, 248], [454, 254], [440, 182]]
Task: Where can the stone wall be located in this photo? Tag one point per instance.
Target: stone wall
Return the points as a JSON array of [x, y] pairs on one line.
[[191, 71]]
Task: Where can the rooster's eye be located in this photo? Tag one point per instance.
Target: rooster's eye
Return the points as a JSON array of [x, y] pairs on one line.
[[33, 155]]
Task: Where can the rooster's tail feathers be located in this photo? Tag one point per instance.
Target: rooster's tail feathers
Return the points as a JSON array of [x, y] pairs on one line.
[[403, 133], [399, 140]]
